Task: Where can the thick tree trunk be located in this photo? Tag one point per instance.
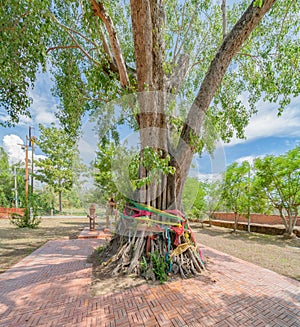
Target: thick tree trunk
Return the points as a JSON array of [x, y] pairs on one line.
[[138, 248], [289, 221]]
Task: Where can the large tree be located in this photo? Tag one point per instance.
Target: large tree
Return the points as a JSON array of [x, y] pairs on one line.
[[235, 190], [102, 50], [5, 180], [278, 181], [58, 168]]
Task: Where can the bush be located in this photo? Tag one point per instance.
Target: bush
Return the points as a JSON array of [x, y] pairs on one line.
[[26, 220]]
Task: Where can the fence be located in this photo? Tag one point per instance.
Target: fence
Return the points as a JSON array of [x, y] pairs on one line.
[[7, 212], [254, 218]]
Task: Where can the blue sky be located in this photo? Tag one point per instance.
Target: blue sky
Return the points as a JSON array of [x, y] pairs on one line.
[[266, 133]]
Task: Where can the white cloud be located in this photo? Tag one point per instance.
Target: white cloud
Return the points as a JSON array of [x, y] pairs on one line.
[[266, 123], [15, 149], [45, 117], [24, 121], [249, 159], [12, 144]]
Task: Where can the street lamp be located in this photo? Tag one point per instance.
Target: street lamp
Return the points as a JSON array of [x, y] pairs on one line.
[[248, 204], [25, 147], [31, 144]]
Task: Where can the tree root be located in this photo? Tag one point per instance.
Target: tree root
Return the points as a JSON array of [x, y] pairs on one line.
[[148, 256]]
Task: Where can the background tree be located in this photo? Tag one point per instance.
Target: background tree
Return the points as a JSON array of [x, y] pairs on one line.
[[104, 175], [6, 195], [58, 168], [213, 198], [278, 181], [193, 198], [45, 200], [235, 190]]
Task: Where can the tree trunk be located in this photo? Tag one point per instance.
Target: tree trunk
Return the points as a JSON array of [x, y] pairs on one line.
[[235, 221], [60, 201], [138, 248]]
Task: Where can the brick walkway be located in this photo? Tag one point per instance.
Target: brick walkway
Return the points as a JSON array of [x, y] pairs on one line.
[[51, 288]]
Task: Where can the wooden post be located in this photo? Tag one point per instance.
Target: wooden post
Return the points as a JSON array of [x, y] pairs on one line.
[[92, 216], [26, 172]]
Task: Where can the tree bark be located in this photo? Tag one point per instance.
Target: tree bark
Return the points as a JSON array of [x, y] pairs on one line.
[[147, 25], [60, 201], [100, 11]]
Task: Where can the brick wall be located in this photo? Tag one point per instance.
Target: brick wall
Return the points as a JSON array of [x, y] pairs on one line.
[[263, 229], [254, 218], [7, 212]]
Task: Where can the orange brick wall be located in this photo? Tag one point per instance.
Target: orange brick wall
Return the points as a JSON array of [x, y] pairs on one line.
[[254, 218], [7, 212]]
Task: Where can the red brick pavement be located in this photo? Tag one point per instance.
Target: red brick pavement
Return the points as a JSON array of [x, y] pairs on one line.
[[51, 288]]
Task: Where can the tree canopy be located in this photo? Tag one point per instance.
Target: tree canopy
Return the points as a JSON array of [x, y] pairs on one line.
[[220, 59], [278, 181], [58, 168], [89, 46]]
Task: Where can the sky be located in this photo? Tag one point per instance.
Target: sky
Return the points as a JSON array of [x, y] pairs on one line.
[[266, 133]]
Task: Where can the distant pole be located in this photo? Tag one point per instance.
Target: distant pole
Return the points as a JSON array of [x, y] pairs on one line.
[[26, 172], [16, 187], [31, 144], [249, 224]]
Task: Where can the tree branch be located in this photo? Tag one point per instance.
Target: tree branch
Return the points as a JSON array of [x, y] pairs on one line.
[[224, 18], [70, 29], [70, 32], [62, 47], [185, 35], [230, 46], [100, 11], [175, 81], [82, 50], [15, 23]]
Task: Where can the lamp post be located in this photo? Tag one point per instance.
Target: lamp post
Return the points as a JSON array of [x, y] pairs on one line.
[[26, 172], [31, 144], [16, 187], [248, 211]]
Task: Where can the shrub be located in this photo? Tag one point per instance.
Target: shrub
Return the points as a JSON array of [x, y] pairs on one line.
[[26, 220]]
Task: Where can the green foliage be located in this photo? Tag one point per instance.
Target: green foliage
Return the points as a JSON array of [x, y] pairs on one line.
[[258, 3], [104, 172], [213, 196], [44, 200], [155, 164], [6, 178], [277, 180], [68, 36], [27, 221], [160, 266], [24, 32], [236, 187], [100, 249], [59, 167], [193, 199]]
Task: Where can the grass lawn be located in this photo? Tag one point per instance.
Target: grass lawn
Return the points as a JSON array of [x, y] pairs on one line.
[[272, 252], [268, 251]]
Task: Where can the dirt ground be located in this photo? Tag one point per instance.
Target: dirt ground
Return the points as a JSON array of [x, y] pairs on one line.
[[269, 251]]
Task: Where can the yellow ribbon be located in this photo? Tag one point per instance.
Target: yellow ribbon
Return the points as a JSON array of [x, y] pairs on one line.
[[182, 248]]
